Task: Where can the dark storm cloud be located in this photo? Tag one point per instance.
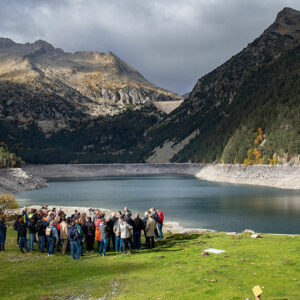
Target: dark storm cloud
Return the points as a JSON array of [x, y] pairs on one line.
[[171, 42]]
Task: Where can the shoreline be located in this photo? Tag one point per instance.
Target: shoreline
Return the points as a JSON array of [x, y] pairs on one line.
[[32, 177], [281, 176]]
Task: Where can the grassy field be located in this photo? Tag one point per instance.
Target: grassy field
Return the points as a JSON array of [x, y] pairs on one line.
[[174, 270]]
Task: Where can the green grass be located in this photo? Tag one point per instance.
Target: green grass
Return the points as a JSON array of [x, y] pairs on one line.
[[176, 270]]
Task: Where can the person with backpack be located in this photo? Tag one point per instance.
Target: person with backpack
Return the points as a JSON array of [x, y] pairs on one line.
[[2, 234], [90, 235], [104, 237], [80, 235], [73, 237], [22, 231], [137, 230], [40, 228], [25, 215], [160, 223], [52, 237], [31, 231]]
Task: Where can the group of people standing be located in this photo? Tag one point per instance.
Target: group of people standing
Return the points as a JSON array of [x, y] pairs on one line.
[[54, 231]]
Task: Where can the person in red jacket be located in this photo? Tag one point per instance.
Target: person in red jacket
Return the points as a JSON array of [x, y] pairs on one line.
[[160, 223]]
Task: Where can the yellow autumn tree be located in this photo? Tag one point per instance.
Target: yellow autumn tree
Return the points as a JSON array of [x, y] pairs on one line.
[[254, 156]]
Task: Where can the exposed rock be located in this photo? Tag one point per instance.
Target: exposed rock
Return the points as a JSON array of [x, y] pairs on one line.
[[286, 177], [53, 87], [17, 180]]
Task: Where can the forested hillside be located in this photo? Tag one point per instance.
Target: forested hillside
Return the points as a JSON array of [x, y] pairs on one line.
[[118, 138], [256, 90]]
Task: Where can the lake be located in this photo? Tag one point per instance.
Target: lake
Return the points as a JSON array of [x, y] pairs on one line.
[[185, 199]]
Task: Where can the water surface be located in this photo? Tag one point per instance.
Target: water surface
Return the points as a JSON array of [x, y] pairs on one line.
[[191, 202]]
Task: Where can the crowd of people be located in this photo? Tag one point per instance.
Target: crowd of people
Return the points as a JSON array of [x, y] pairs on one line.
[[53, 231]]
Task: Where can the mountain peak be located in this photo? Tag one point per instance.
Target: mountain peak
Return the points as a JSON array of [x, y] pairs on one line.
[[6, 43], [287, 23]]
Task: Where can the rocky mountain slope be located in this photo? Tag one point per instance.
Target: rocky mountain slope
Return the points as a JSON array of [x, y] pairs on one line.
[[42, 83], [257, 88]]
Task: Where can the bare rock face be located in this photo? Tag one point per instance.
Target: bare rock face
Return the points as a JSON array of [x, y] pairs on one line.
[[45, 84], [17, 180]]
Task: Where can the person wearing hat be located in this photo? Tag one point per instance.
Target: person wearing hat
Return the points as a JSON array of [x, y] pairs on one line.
[[2, 234]]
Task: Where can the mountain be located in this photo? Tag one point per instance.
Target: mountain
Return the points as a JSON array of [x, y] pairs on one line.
[[247, 108], [87, 107], [42, 83]]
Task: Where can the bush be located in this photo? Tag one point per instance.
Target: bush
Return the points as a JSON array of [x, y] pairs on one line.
[[7, 202]]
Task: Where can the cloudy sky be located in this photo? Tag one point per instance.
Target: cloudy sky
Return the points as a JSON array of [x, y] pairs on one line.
[[171, 42]]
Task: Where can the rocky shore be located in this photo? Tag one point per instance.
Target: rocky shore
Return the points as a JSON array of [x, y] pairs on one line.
[[286, 177], [17, 180], [34, 176]]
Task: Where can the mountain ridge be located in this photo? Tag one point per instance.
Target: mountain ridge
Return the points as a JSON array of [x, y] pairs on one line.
[[100, 83], [210, 102]]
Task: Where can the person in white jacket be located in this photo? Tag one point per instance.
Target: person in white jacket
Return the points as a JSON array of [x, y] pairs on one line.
[[126, 230]]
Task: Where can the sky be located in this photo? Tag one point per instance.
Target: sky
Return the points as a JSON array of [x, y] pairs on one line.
[[172, 43]]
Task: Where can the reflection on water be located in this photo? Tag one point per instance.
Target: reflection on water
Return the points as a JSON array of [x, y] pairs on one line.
[[192, 202]]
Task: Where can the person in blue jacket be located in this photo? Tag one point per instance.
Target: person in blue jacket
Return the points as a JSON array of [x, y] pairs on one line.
[[73, 237], [2, 234], [80, 236], [25, 215]]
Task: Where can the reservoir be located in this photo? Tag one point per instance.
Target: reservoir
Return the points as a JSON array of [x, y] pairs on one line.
[[185, 199]]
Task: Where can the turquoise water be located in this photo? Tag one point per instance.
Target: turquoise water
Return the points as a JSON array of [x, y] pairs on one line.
[[185, 199]]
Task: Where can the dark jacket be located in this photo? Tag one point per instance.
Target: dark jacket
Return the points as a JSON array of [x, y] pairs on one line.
[[73, 234], [110, 227], [31, 227], [16, 224], [2, 229], [138, 225], [103, 231], [90, 228], [40, 227], [115, 219], [130, 221], [22, 229]]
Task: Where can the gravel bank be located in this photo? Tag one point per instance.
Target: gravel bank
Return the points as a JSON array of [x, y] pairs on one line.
[[31, 176], [286, 177], [17, 180]]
